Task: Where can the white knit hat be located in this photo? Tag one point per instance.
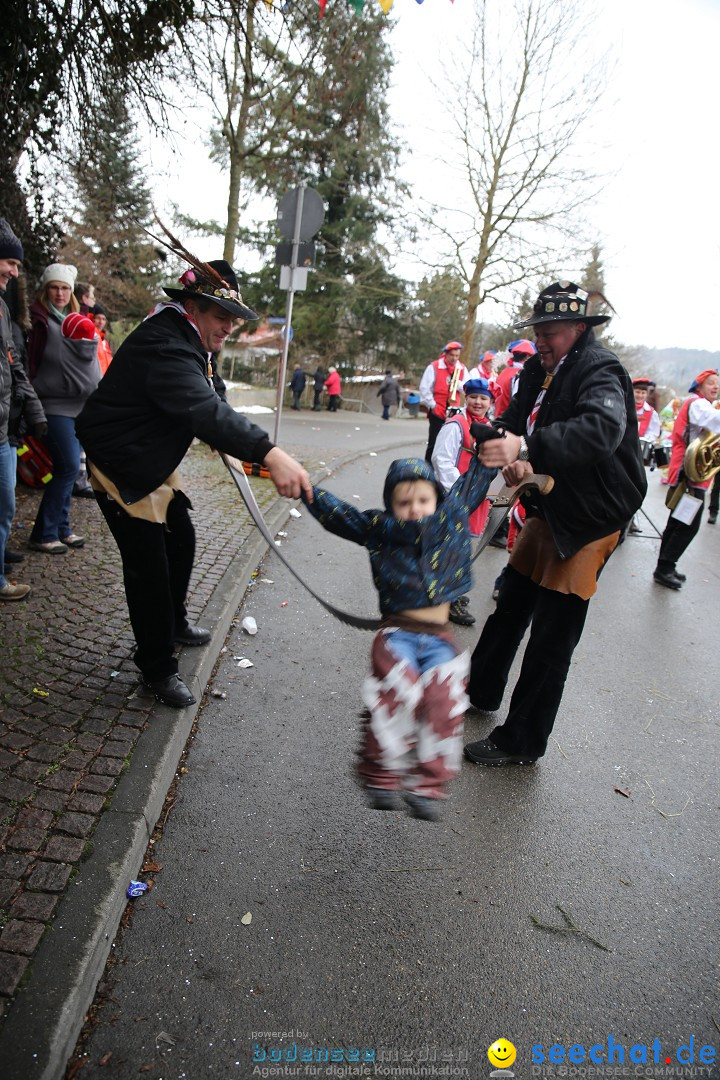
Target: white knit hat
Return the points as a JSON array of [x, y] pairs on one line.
[[59, 272]]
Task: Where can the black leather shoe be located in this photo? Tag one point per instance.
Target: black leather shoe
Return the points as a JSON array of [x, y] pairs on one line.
[[83, 492], [171, 691], [486, 752], [712, 518], [193, 635], [13, 556], [668, 578]]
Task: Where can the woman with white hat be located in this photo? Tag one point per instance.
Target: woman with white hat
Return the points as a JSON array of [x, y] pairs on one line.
[[64, 369]]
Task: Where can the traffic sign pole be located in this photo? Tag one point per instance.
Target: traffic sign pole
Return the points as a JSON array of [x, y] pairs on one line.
[[288, 313]]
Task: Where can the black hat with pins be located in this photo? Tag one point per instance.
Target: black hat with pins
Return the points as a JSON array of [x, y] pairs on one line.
[[563, 301]]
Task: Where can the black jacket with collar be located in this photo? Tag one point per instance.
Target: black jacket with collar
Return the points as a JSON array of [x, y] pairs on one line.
[[586, 438], [154, 399]]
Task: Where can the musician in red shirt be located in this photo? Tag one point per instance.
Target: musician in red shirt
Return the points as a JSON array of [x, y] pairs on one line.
[[441, 389]]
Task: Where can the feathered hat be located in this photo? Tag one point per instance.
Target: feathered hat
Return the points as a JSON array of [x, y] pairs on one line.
[[213, 280], [564, 301]]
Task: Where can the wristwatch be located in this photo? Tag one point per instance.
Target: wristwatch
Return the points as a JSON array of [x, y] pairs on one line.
[[524, 454]]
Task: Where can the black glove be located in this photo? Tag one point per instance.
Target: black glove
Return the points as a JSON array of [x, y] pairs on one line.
[[38, 430], [482, 432]]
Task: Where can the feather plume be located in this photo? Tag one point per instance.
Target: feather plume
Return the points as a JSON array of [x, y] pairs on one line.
[[596, 297], [177, 248]]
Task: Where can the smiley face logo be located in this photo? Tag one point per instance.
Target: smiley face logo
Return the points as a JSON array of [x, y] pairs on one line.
[[502, 1054]]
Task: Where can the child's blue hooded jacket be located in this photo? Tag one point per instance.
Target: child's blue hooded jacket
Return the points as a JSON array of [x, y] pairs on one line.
[[415, 564]]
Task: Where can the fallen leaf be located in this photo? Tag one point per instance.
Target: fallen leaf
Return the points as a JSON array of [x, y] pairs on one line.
[[105, 1058], [160, 904], [152, 868], [623, 791], [247, 918]]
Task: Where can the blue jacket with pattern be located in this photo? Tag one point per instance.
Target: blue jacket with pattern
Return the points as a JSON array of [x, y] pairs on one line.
[[415, 564]]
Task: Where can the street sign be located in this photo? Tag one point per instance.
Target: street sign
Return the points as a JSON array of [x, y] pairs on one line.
[[305, 255], [311, 217], [294, 278]]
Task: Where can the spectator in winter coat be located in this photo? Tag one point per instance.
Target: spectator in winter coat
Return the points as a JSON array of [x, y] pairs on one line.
[[332, 385], [64, 371], [14, 386], [389, 393], [297, 385], [319, 383]]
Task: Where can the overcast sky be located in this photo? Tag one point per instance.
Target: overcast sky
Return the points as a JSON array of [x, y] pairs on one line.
[[655, 140]]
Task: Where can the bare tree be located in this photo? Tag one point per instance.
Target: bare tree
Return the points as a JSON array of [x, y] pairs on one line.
[[523, 97], [258, 61]]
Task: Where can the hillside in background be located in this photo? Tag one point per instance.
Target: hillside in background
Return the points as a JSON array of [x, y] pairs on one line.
[[673, 368]]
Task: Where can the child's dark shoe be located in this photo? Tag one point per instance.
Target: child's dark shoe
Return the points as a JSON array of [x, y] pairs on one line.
[[381, 799], [422, 807]]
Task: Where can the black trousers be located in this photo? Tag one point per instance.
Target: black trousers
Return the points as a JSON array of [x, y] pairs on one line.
[[436, 422], [714, 504], [157, 562], [557, 621], [678, 536]]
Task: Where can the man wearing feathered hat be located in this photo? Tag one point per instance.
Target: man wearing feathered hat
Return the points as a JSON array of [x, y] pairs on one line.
[[155, 398], [696, 417], [441, 389], [573, 417]]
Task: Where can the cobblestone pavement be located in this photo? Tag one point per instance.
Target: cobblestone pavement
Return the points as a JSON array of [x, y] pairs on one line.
[[71, 707]]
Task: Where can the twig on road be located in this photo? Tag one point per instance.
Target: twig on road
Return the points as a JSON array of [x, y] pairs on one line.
[[569, 928]]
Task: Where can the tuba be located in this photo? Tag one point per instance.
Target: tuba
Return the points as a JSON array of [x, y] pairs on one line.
[[702, 458]]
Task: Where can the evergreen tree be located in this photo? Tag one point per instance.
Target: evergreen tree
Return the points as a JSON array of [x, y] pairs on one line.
[[105, 237], [331, 129]]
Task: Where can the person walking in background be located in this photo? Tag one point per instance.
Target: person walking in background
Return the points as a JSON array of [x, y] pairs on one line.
[[572, 417], [15, 388], [156, 397], [297, 385], [318, 386], [389, 393], [64, 370], [441, 390], [332, 385], [685, 497]]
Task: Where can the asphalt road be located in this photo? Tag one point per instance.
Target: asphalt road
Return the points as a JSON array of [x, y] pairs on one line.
[[418, 941]]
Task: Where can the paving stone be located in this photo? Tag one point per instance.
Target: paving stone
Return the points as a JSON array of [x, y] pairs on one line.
[[30, 770], [34, 905], [30, 817], [88, 743], [62, 780], [63, 849], [14, 864], [49, 877], [26, 839], [107, 766], [8, 889], [20, 936], [77, 760], [8, 761], [15, 790], [59, 735], [46, 752], [86, 804], [120, 749], [50, 800], [75, 824], [14, 740], [96, 783], [12, 969], [96, 727]]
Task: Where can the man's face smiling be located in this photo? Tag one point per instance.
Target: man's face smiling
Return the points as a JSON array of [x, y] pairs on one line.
[[214, 325], [555, 340], [9, 268]]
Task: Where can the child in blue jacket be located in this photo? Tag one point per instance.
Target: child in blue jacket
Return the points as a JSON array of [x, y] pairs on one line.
[[419, 548]]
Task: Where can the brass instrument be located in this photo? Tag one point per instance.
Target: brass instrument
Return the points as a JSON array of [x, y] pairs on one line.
[[452, 389], [702, 458]]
